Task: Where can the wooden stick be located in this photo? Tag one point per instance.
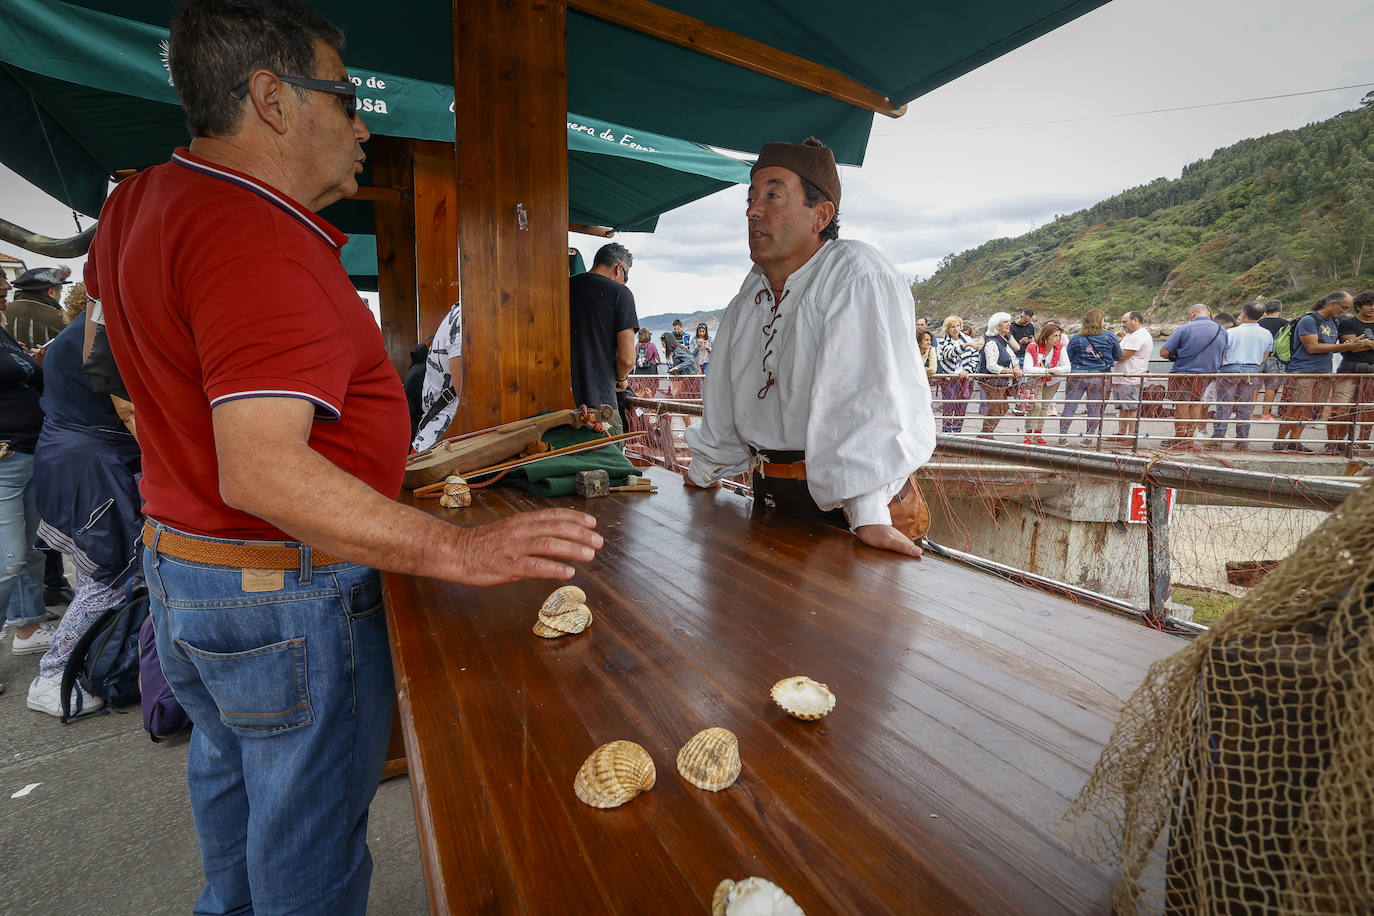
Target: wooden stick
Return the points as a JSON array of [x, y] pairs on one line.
[[633, 490], [566, 450]]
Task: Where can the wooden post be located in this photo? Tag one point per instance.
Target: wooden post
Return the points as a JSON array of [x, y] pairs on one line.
[[436, 234], [510, 91], [392, 167], [1157, 543]]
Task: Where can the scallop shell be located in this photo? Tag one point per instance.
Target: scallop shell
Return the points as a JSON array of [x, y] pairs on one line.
[[574, 619], [710, 760], [561, 600], [614, 774], [803, 698], [546, 631], [752, 897]]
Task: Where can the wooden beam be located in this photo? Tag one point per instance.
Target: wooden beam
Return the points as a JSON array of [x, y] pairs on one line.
[[510, 91], [731, 47], [605, 232], [436, 235], [377, 194], [393, 162]]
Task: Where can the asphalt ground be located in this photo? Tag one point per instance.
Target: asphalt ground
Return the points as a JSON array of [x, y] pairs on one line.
[[105, 826]]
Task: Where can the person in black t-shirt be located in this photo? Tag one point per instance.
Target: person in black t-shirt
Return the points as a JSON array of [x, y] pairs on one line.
[[1355, 377], [1270, 386], [1023, 329], [602, 324]]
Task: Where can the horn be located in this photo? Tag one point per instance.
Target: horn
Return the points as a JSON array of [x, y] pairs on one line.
[[73, 247]]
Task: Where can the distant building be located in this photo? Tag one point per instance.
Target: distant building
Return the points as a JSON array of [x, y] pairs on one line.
[[11, 265]]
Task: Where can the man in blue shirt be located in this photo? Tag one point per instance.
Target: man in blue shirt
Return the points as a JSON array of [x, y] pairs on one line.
[[1315, 338], [1197, 349], [1248, 344]]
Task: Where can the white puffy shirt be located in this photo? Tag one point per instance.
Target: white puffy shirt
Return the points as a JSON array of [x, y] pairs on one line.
[[848, 386]]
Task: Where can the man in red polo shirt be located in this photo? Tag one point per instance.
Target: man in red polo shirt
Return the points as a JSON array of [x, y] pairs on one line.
[[274, 433]]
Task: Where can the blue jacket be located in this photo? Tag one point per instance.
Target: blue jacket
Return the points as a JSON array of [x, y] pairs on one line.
[[1097, 353]]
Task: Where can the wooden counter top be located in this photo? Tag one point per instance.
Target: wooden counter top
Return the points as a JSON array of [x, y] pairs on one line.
[[969, 712]]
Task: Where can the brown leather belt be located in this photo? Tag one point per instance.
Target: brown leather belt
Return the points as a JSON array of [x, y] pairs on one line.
[[795, 470], [261, 555]]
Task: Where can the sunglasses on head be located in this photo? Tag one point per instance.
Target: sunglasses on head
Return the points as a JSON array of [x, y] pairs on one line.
[[345, 90]]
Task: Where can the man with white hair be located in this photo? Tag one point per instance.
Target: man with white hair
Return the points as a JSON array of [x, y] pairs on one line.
[[815, 382], [1196, 349]]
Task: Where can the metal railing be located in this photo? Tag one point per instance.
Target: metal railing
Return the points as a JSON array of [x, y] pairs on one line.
[[1146, 414], [667, 420]]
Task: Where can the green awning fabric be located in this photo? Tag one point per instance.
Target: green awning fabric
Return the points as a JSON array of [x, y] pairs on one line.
[[901, 49], [101, 93]]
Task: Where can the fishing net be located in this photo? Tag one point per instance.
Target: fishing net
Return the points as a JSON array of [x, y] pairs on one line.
[[1240, 776]]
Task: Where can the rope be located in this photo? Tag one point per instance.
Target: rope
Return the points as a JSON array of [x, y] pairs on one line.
[[57, 166]]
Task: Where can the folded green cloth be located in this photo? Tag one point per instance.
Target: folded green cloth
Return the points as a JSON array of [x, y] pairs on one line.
[[556, 476]]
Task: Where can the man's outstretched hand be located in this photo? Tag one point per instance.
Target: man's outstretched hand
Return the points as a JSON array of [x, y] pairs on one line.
[[885, 537], [693, 485], [531, 545]]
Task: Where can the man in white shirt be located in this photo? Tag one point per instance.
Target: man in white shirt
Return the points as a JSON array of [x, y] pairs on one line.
[[815, 384], [1136, 349]]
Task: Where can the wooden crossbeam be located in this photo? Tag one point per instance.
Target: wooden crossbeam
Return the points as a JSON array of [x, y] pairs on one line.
[[604, 232], [697, 35]]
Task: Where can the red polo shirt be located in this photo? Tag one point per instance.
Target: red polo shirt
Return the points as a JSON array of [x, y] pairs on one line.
[[216, 286]]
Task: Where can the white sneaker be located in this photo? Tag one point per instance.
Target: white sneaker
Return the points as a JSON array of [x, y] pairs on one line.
[[35, 642], [45, 695]]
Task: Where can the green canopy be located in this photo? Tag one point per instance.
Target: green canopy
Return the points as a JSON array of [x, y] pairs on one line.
[[105, 103], [899, 49]]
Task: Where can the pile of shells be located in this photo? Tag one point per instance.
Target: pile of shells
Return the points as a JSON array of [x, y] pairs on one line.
[[456, 493], [564, 612], [752, 897], [710, 760], [614, 774], [803, 698]]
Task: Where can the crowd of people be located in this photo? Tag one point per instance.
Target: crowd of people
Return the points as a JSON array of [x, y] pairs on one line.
[[1224, 367]]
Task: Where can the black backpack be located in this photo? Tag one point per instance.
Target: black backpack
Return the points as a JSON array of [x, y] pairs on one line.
[[105, 660]]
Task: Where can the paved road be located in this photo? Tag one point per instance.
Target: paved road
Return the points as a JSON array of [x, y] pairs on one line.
[[107, 828]]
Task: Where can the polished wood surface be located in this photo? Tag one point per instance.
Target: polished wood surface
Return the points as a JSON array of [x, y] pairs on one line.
[[700, 36], [969, 712]]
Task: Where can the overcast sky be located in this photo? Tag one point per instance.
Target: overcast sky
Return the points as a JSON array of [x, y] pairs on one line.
[[973, 160]]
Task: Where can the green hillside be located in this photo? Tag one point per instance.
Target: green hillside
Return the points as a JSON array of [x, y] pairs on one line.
[[1287, 216]]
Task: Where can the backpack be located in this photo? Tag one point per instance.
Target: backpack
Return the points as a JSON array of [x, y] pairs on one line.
[[1283, 342], [163, 716], [105, 659], [642, 356]]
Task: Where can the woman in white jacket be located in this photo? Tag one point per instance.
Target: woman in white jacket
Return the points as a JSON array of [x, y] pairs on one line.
[[1044, 360]]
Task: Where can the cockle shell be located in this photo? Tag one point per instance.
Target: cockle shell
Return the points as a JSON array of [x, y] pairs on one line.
[[752, 897], [803, 698], [561, 600], [614, 774], [546, 631], [574, 619], [710, 760], [456, 499]]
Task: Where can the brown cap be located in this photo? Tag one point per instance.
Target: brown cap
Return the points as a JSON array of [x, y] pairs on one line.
[[811, 160]]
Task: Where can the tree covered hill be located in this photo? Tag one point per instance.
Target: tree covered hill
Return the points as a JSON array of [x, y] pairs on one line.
[[1288, 216]]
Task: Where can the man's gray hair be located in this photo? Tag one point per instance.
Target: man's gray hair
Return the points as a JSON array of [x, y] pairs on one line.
[[1200, 310], [1253, 310], [215, 45], [614, 255], [995, 320]]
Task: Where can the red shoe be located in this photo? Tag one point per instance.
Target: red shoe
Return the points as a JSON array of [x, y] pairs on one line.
[[1026, 441], [1039, 441]]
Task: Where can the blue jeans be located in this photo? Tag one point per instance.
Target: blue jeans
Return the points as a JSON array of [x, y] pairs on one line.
[[1091, 389], [21, 576], [1240, 388], [291, 694]]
